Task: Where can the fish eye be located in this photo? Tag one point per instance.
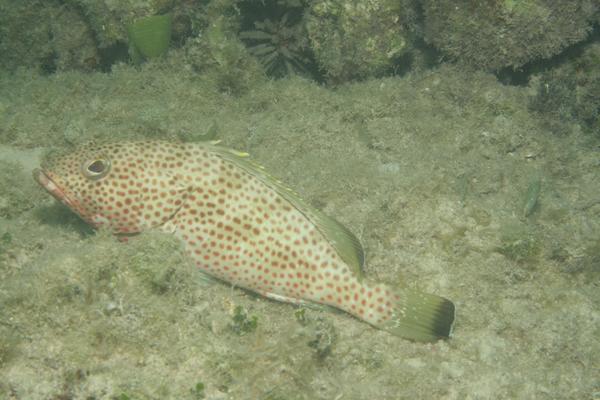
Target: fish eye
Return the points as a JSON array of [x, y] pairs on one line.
[[96, 169]]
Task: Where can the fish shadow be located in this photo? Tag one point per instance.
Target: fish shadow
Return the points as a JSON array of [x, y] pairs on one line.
[[59, 216]]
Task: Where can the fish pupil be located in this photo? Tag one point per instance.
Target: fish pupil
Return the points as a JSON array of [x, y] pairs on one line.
[[96, 167]]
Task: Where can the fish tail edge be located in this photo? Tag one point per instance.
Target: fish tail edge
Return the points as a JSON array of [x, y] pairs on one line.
[[419, 316]]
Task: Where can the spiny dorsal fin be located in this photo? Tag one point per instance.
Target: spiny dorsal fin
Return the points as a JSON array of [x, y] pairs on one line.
[[345, 243]]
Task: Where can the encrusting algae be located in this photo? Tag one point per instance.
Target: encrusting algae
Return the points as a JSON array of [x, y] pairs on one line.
[[238, 224]]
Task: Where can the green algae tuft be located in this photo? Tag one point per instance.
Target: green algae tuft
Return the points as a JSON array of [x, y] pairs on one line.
[[149, 37], [242, 323]]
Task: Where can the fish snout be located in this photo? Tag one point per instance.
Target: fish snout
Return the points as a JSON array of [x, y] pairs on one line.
[[47, 183]]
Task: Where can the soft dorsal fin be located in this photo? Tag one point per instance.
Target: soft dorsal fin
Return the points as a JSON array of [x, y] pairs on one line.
[[345, 243]]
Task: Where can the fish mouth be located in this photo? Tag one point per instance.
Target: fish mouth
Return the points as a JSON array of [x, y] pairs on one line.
[[47, 183]]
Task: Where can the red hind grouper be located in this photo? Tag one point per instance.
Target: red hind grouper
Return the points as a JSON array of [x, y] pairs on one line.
[[239, 225]]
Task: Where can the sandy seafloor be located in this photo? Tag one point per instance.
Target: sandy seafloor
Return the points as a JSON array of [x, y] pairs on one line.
[[430, 170]]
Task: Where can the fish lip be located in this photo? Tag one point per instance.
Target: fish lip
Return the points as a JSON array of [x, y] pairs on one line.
[[45, 181]]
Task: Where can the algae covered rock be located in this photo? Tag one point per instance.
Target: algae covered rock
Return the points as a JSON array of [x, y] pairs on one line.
[[492, 35], [570, 93], [220, 56], [45, 36], [109, 18], [357, 39], [61, 35]]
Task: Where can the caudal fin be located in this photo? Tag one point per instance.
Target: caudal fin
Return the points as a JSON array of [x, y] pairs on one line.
[[407, 313], [419, 316]]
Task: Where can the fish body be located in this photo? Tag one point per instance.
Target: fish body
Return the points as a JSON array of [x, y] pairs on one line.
[[239, 225]]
